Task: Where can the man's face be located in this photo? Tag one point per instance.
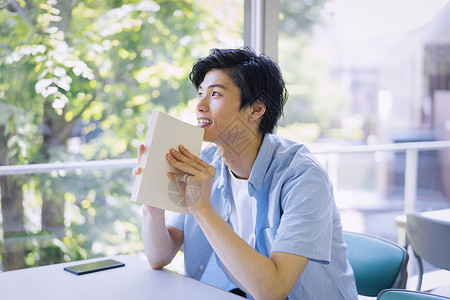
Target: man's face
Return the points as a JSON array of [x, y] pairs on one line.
[[218, 107]]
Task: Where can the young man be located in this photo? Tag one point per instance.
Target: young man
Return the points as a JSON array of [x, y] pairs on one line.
[[262, 215]]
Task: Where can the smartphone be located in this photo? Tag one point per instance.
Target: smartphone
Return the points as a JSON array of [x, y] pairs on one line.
[[94, 266]]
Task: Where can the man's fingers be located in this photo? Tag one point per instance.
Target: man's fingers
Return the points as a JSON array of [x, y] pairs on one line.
[[192, 156], [136, 171], [189, 161], [179, 156], [140, 151], [182, 177], [177, 164]]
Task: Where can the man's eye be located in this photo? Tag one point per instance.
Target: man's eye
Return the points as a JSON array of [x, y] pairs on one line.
[[215, 93], [200, 95]]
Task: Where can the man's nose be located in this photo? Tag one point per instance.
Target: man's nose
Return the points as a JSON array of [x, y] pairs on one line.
[[202, 104]]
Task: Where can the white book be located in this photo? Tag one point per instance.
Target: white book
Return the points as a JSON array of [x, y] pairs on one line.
[[152, 186]]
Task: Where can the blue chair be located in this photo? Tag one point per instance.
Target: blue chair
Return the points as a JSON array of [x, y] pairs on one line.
[[378, 264], [430, 240], [396, 294]]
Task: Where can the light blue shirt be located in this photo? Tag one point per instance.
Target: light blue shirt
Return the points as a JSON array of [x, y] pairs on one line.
[[296, 213]]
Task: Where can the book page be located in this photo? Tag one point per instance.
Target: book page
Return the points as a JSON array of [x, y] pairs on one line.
[[152, 186]]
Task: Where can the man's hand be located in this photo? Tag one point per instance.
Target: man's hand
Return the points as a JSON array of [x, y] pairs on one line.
[[138, 169], [197, 174]]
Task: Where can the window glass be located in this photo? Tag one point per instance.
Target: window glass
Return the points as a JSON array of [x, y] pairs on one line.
[[78, 81], [368, 73]]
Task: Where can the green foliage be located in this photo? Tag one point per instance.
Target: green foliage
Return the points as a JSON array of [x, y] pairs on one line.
[[13, 123], [100, 222], [118, 61], [78, 80]]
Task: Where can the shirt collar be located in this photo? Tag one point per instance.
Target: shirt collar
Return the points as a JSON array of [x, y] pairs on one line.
[[223, 175], [262, 162]]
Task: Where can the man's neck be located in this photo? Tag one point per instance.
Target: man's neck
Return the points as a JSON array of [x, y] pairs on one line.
[[240, 160]]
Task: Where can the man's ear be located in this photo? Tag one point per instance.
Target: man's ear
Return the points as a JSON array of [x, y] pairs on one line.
[[258, 108]]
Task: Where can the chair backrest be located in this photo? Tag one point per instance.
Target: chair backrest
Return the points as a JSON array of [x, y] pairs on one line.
[[378, 264], [430, 239], [396, 294]]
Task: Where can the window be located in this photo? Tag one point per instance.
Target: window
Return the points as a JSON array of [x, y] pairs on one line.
[[78, 81], [368, 73]]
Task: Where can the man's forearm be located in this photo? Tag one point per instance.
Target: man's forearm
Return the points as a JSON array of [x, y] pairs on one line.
[[160, 246], [260, 275]]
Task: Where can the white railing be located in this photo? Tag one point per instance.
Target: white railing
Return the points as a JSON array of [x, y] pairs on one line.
[[68, 166], [411, 149], [412, 154]]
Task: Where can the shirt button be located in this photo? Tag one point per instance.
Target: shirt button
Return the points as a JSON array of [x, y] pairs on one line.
[[201, 267]]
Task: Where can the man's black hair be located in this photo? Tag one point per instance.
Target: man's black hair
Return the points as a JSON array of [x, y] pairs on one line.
[[258, 77]]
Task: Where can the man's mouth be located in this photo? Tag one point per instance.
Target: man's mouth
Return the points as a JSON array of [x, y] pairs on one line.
[[203, 122]]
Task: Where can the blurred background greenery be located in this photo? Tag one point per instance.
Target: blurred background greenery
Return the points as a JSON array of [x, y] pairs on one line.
[[78, 81]]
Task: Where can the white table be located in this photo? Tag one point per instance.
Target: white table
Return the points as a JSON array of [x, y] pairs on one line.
[[400, 222], [440, 214], [134, 281]]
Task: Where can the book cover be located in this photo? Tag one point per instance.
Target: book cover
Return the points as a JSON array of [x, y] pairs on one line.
[[152, 186]]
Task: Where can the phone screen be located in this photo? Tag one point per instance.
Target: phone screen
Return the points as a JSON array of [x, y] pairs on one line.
[[94, 266]]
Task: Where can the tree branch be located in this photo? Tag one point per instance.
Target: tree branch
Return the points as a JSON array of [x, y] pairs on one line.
[[14, 6], [86, 106]]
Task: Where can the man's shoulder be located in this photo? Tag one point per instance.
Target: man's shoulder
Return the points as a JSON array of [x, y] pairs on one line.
[[282, 143], [296, 155], [287, 149]]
